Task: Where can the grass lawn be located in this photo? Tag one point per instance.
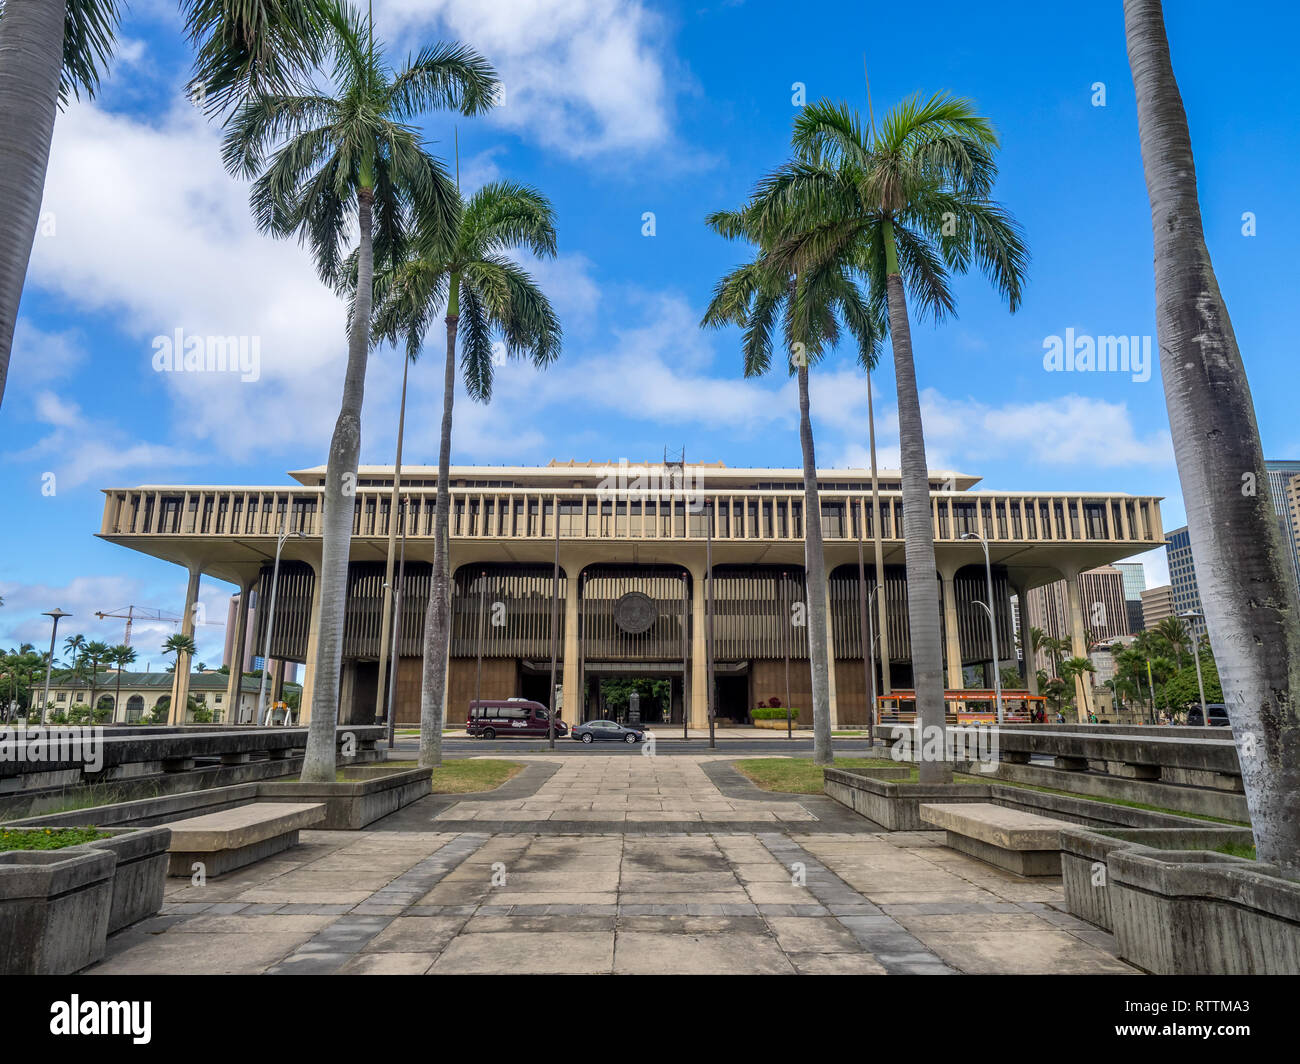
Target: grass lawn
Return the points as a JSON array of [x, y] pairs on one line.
[[1108, 801], [798, 775], [47, 838], [469, 775], [453, 777], [1237, 849]]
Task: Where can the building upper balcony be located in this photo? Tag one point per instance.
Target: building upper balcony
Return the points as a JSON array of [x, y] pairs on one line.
[[742, 506]]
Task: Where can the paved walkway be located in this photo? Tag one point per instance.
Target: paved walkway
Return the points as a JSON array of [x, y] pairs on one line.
[[752, 885]]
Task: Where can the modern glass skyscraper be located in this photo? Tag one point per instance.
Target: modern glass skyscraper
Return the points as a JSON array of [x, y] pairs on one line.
[[1182, 577], [1135, 582], [1284, 489]]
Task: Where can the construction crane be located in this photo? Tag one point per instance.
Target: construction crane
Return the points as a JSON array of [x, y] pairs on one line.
[[130, 613]]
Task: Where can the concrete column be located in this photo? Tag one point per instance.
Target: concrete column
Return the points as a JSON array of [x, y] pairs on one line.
[[234, 691], [181, 680], [347, 692], [277, 681], [699, 653], [309, 669], [1031, 670], [1078, 642], [569, 677], [830, 658], [952, 640]]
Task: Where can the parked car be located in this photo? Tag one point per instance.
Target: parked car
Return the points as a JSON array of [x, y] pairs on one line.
[[607, 730], [511, 717], [1217, 713]]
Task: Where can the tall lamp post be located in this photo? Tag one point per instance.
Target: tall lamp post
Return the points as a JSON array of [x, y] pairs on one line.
[[397, 632], [871, 658], [58, 615], [270, 619], [1197, 615], [993, 624]]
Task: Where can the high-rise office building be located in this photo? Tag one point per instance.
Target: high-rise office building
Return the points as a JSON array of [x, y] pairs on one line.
[[1157, 604], [1284, 488], [1135, 582], [1102, 598], [1182, 578]]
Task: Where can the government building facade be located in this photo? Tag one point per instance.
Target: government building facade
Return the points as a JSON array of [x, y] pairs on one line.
[[635, 545]]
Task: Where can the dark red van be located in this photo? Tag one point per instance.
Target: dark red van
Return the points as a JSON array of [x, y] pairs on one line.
[[513, 716]]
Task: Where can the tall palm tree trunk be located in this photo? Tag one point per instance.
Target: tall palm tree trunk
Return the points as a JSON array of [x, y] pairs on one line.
[[1250, 604], [437, 617], [336, 521], [918, 534], [31, 61], [814, 557], [394, 509]]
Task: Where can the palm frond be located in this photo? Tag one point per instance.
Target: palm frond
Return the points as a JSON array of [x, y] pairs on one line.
[[247, 48], [448, 76]]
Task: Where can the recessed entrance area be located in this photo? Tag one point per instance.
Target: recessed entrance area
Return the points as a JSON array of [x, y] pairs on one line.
[[658, 687]]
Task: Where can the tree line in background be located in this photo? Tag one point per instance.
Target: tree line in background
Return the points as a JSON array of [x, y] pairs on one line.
[[23, 671], [1155, 672], [859, 232]]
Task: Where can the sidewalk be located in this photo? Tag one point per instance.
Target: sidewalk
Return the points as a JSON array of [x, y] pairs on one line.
[[667, 732]]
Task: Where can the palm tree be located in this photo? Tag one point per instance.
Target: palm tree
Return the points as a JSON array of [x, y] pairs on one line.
[[1162, 670], [74, 645], [465, 273], [177, 645], [1174, 632], [1249, 599], [121, 656], [51, 49], [1037, 644], [325, 163], [1072, 669], [1056, 650], [908, 205], [811, 309], [95, 653]]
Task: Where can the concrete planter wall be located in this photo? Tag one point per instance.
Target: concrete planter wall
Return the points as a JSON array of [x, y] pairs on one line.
[[140, 875], [894, 806], [1201, 913], [351, 805], [1084, 855], [54, 909]]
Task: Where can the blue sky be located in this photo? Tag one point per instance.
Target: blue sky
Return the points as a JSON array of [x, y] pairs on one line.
[[613, 110]]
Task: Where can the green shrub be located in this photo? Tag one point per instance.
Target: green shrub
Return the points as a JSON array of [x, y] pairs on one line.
[[773, 713], [47, 838]]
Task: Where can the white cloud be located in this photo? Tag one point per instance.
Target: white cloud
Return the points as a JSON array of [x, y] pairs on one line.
[[40, 357], [1155, 564], [162, 237], [585, 77], [21, 619], [1069, 431], [80, 449]]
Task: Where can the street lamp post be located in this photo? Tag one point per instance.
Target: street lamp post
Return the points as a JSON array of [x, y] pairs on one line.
[[1196, 615], [871, 657], [993, 624], [270, 620], [58, 615], [397, 632]]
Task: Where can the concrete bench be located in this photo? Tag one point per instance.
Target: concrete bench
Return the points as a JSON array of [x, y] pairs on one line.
[[236, 837], [1020, 842]]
